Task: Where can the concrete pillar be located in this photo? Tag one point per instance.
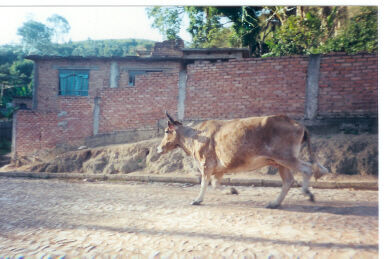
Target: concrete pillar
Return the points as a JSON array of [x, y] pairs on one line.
[[14, 132], [96, 115], [35, 86], [312, 87], [114, 74], [181, 94]]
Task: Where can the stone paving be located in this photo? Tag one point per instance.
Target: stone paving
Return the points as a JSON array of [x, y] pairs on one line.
[[78, 219]]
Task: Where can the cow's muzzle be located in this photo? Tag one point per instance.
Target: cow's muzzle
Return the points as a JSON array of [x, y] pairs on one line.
[[160, 150]]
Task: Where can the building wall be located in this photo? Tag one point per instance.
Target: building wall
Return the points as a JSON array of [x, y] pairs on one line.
[[48, 80], [70, 119], [237, 88], [141, 106]]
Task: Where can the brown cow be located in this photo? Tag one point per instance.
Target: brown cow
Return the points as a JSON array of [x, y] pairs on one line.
[[239, 145]]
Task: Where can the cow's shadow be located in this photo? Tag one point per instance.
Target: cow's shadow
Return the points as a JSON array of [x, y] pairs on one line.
[[337, 208], [350, 209]]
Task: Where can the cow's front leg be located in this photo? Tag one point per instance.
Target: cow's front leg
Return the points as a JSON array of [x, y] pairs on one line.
[[205, 178]]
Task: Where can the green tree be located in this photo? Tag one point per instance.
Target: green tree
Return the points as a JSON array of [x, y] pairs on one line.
[[297, 36], [167, 20], [36, 37], [273, 30], [308, 32], [15, 75], [245, 26], [253, 25], [361, 34], [59, 28]]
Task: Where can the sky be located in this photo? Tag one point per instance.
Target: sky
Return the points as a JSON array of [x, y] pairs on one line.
[[103, 22]]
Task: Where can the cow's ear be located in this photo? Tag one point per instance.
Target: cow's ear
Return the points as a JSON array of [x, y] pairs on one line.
[[177, 123]]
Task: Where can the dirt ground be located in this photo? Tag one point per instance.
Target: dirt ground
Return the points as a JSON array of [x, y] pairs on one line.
[[339, 153], [78, 219]]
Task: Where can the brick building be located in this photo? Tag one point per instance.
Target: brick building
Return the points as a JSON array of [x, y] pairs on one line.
[[101, 100]]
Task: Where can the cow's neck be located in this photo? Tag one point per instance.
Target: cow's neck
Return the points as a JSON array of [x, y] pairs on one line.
[[186, 139]]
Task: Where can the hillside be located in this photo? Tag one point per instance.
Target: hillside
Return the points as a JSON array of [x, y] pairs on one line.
[[103, 48]]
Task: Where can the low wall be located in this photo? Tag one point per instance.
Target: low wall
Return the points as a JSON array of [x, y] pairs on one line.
[[37, 130]]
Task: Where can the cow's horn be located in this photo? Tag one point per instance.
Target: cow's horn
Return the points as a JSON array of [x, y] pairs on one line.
[[172, 120]]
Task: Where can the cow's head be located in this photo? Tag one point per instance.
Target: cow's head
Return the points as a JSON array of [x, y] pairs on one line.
[[171, 138]]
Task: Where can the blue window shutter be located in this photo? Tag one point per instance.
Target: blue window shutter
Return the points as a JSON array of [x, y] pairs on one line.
[[73, 82]]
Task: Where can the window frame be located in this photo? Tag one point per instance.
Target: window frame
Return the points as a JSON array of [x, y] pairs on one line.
[[132, 73]]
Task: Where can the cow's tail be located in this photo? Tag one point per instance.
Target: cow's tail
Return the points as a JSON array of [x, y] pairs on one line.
[[317, 169]]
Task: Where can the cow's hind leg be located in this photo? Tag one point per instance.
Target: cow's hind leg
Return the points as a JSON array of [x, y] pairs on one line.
[[307, 174], [306, 169], [205, 179], [216, 183], [288, 180]]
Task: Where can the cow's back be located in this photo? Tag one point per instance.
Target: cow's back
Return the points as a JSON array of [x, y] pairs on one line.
[[240, 141]]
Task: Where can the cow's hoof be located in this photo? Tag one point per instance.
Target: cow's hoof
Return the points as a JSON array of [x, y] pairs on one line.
[[231, 191], [272, 205], [312, 197], [196, 202]]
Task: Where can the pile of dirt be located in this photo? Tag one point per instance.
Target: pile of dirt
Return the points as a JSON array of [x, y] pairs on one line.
[[340, 153], [348, 154]]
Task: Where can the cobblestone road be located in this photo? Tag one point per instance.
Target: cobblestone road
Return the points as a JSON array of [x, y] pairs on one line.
[[75, 219]]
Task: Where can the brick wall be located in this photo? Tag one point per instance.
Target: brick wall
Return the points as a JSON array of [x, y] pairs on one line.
[[22, 102], [249, 87], [140, 106], [348, 86], [168, 48], [37, 130], [34, 131]]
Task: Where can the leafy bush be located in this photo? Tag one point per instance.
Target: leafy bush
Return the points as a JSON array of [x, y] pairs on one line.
[[361, 35], [310, 35], [297, 36], [5, 146]]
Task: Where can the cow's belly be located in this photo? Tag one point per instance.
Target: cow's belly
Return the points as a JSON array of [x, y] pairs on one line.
[[249, 165]]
